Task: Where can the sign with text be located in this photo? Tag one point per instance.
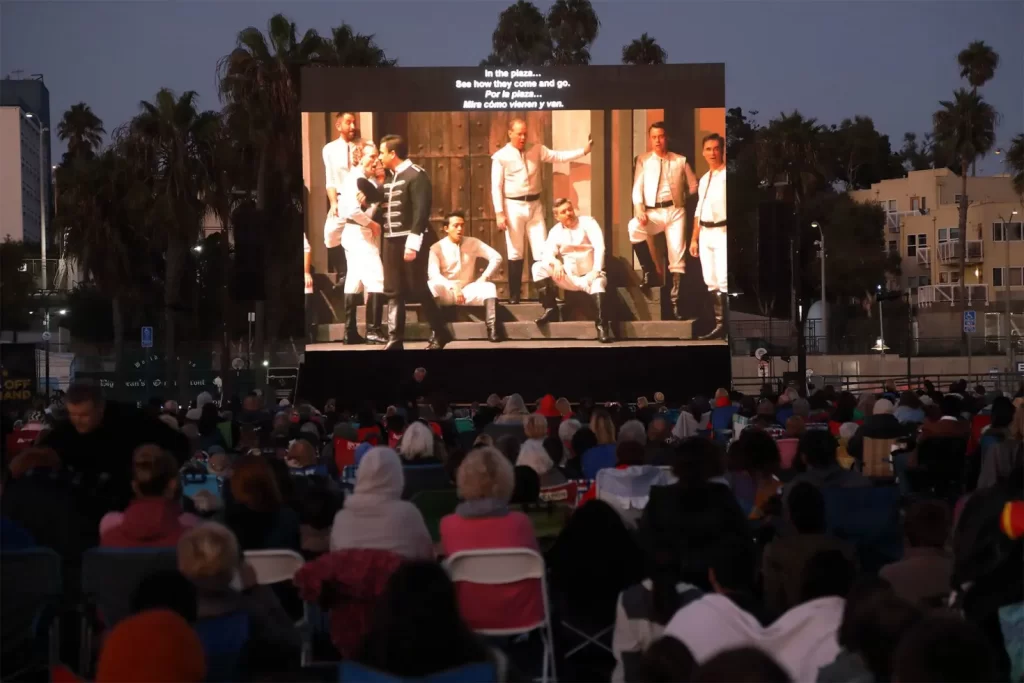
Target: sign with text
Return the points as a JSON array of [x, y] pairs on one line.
[[513, 89], [281, 382], [147, 337], [970, 322], [18, 374]]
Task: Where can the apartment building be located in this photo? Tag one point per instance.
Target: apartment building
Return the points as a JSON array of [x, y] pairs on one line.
[[922, 226]]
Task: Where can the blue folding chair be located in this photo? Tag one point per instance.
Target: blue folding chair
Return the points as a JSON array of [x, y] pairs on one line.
[[109, 579], [478, 672], [224, 639], [193, 483], [29, 606]]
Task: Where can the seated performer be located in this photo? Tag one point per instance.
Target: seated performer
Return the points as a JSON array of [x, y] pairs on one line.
[[573, 259], [359, 239], [451, 268]]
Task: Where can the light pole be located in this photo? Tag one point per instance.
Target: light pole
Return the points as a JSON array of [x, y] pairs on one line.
[[824, 300], [1006, 283], [42, 198]]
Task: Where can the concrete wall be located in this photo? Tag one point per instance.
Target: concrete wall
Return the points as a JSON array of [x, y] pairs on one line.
[[11, 224], [890, 365]]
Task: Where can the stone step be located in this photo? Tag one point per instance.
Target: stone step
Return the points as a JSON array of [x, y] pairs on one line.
[[576, 329]]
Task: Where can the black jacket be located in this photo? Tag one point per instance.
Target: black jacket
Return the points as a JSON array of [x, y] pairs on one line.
[[407, 202]]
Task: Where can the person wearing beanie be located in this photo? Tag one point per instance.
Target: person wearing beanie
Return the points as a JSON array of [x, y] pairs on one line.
[[154, 646], [881, 424]]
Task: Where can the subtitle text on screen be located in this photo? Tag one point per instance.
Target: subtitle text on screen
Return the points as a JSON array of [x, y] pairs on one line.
[[520, 89]]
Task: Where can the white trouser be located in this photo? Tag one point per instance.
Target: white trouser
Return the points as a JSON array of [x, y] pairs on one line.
[[668, 220], [476, 293], [333, 228], [712, 243], [573, 283], [365, 270], [525, 221]]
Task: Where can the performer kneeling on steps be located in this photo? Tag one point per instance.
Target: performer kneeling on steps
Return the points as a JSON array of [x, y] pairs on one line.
[[573, 259], [407, 198], [451, 270]]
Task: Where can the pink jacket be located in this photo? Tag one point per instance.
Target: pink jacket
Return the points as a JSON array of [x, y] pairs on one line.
[[487, 606], [147, 523]]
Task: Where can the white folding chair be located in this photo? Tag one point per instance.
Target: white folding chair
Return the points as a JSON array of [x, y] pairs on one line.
[[497, 566], [276, 566]]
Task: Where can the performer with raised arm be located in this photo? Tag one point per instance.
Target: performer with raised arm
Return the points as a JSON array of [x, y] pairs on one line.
[[573, 259], [451, 272], [359, 240], [710, 240], [406, 215], [340, 157], [659, 205], [515, 192]]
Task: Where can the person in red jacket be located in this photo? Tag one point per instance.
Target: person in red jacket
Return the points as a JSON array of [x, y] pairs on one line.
[[154, 518]]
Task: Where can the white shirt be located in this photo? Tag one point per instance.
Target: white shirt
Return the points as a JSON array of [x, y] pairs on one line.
[[337, 163], [711, 196], [664, 184], [456, 263], [349, 208], [581, 247], [517, 174]]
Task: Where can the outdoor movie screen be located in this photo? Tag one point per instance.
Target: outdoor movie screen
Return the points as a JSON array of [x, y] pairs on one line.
[[490, 207]]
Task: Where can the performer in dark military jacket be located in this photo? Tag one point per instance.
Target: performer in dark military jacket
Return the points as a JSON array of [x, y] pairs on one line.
[[406, 222]]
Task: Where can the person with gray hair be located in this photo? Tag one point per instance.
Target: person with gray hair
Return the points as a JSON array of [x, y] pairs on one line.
[[802, 408], [417, 442], [423, 458], [533, 455], [567, 429], [633, 430]]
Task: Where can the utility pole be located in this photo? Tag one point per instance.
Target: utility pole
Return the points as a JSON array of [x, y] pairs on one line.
[[823, 344], [1006, 284]]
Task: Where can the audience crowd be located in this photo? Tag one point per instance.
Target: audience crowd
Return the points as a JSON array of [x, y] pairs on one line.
[[777, 537]]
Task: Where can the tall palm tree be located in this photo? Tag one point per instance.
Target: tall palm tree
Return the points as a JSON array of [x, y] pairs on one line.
[[790, 152], [964, 130], [573, 27], [174, 137], [1015, 160], [82, 130], [259, 82], [978, 63], [348, 48], [521, 37], [644, 50]]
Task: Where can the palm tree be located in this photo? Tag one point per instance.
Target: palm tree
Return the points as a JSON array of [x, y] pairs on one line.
[[259, 82], [790, 153], [964, 129], [644, 50], [348, 48], [1015, 160], [978, 63], [82, 130], [521, 37], [573, 27], [174, 138]]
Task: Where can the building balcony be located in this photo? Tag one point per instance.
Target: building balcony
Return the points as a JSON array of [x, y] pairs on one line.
[[949, 252], [53, 281], [977, 295], [893, 219], [924, 257]]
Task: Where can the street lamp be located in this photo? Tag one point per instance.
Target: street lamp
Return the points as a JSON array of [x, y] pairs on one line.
[[1006, 283], [42, 198], [881, 329], [820, 243]]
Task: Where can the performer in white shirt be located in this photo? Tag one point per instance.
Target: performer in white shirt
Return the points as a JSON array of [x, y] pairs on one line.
[[451, 272], [709, 240], [515, 192], [340, 157], [573, 259], [659, 205], [359, 240]]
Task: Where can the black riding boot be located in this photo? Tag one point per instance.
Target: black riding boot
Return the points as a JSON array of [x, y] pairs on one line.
[[515, 281], [719, 330], [604, 327], [650, 274], [396, 325], [351, 336], [374, 314], [546, 293], [673, 295], [491, 320], [439, 335]]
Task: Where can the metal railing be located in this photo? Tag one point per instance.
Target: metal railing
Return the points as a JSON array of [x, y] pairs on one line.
[[949, 252], [1006, 382], [924, 257], [34, 266], [977, 295]]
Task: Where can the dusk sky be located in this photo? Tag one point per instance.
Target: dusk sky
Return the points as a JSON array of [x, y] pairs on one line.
[[892, 61]]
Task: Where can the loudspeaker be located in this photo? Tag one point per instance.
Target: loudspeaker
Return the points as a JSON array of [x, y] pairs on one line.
[[774, 265], [248, 280]]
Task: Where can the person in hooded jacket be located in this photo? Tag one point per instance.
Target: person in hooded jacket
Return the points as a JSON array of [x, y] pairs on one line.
[[375, 516]]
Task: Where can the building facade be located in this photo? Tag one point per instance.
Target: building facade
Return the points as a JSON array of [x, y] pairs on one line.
[[20, 169], [922, 226]]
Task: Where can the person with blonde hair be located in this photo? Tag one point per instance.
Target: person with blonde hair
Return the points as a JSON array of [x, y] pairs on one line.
[[536, 427], [602, 455], [532, 454], [154, 519], [209, 557], [481, 521]]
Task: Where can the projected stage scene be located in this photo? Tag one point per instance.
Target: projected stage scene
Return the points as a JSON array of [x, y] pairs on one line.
[[491, 208]]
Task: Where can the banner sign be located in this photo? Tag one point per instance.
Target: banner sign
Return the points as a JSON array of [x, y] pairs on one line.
[[18, 369]]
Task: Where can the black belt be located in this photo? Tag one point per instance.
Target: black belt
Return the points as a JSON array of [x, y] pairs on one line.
[[709, 224], [661, 205], [524, 198]]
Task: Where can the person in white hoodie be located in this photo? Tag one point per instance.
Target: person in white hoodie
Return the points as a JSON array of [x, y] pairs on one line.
[[376, 517], [802, 640]]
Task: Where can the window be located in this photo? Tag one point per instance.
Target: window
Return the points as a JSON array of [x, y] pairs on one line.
[[957, 198], [1016, 276], [891, 206], [947, 277], [947, 234], [915, 241], [916, 203], [893, 247], [923, 207], [1011, 232]]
